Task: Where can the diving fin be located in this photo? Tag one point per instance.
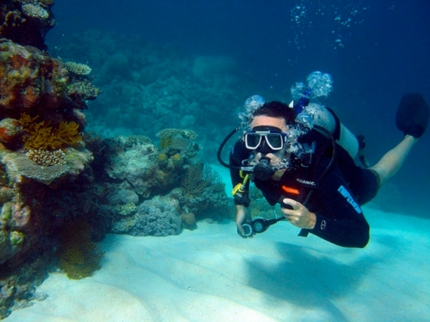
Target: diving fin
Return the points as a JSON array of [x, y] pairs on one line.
[[412, 115]]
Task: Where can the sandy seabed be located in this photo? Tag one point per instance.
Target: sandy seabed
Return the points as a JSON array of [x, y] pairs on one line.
[[212, 274]]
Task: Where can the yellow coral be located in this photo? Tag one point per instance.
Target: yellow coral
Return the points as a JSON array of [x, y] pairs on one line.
[[42, 135], [78, 254], [27, 121], [177, 160]]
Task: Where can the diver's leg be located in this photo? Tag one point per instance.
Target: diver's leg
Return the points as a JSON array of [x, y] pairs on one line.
[[393, 160]]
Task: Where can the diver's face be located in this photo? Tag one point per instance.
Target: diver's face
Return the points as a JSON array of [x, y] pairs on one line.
[[277, 122]]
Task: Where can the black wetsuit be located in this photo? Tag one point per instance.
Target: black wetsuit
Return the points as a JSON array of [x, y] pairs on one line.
[[334, 196]]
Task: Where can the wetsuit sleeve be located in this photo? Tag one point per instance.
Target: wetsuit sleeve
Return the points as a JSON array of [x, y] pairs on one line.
[[237, 154], [340, 219]]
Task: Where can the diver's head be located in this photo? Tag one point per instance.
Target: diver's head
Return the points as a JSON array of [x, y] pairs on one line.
[[273, 110], [267, 138]]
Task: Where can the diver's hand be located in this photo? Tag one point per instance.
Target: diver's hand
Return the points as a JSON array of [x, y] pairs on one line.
[[242, 216], [299, 216]]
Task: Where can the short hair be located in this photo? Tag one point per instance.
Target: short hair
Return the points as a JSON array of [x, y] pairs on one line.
[[277, 109]]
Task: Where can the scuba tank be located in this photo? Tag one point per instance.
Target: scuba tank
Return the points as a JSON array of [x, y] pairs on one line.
[[320, 85]]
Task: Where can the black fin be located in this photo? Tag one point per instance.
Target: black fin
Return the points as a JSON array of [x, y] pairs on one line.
[[412, 115]]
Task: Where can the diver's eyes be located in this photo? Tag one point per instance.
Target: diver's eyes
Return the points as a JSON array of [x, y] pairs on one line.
[[274, 140], [252, 140]]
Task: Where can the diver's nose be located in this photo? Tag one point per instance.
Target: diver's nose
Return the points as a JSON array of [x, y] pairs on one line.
[[264, 148]]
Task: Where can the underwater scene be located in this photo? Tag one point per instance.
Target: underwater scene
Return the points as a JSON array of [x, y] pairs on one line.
[[186, 160]]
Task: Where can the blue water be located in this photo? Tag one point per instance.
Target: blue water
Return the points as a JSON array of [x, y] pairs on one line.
[[375, 50]]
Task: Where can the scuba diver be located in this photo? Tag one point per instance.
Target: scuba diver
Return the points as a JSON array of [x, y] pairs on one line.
[[301, 156]]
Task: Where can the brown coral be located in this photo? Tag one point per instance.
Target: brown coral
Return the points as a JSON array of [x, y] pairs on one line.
[[196, 179]]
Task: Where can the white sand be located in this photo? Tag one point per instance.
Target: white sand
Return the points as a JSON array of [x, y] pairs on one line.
[[211, 274]]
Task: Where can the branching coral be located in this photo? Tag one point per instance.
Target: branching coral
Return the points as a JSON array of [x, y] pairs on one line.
[[78, 254], [197, 179], [42, 135], [83, 89], [46, 158]]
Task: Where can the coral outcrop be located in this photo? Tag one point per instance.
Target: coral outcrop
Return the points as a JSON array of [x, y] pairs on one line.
[[42, 149], [149, 192]]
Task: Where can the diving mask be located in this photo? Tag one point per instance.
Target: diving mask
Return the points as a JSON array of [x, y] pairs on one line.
[[266, 138]]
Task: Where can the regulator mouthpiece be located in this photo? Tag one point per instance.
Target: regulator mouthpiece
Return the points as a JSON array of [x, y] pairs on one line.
[[263, 170]]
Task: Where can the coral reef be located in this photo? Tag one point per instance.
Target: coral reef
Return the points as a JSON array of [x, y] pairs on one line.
[[135, 173], [62, 188], [41, 151]]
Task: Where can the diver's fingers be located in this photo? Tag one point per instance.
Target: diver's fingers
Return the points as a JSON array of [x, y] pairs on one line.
[[292, 203]]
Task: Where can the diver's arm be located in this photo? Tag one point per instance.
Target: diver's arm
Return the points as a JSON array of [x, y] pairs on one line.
[[299, 215], [241, 199], [242, 215], [238, 154], [339, 219], [342, 232]]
